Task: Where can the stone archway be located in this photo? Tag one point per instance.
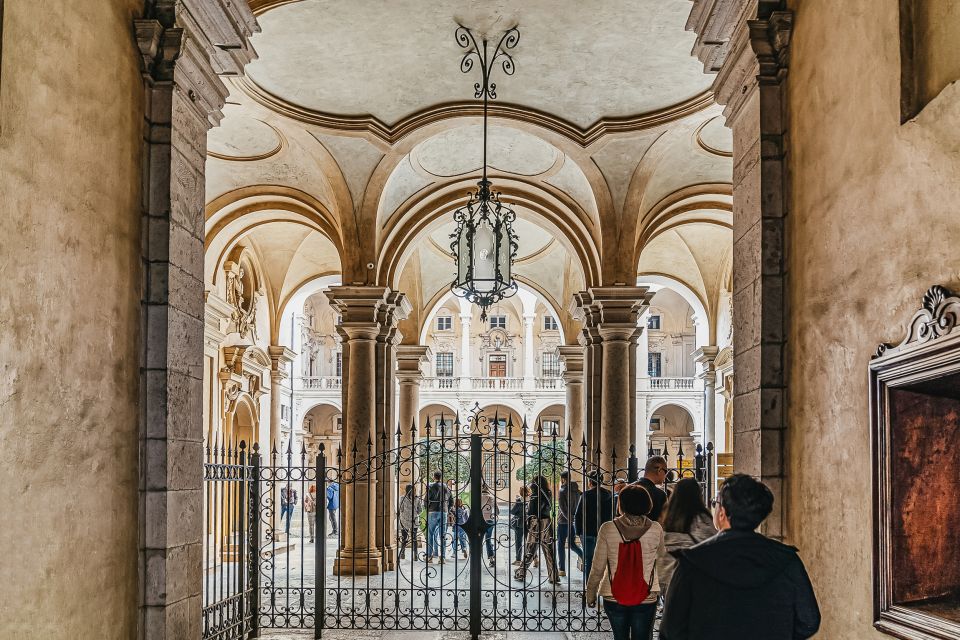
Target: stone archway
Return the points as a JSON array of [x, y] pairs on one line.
[[675, 428]]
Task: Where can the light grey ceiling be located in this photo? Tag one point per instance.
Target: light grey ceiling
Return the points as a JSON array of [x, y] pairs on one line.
[[582, 60]]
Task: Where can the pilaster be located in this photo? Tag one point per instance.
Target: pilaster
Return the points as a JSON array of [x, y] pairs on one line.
[[751, 64], [183, 97]]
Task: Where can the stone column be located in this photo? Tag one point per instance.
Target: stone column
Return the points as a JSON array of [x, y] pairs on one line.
[[581, 309], [572, 358], [183, 48], [410, 357], [529, 374], [466, 360], [359, 308], [280, 359], [752, 65], [396, 308], [705, 357], [610, 318]]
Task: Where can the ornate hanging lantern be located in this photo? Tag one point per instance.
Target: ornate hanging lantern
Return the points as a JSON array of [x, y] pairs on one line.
[[484, 244]]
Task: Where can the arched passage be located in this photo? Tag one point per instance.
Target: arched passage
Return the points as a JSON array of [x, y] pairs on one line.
[[322, 425], [673, 427]]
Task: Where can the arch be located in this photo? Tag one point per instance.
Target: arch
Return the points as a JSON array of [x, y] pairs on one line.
[[675, 431], [556, 411], [507, 410], [550, 211], [235, 214], [244, 423], [703, 322], [296, 299], [430, 410]]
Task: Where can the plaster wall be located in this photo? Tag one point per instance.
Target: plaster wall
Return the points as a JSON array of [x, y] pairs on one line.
[[872, 225], [70, 144]]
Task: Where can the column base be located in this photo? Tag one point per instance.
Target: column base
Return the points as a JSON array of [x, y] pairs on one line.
[[358, 562], [389, 555]]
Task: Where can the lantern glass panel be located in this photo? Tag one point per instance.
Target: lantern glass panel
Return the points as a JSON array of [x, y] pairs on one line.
[[463, 256], [484, 256]]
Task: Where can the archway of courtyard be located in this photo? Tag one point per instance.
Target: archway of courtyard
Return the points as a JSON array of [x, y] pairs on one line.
[[674, 427]]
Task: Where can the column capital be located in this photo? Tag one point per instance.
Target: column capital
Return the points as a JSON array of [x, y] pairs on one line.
[[706, 356], [572, 359], [409, 359], [358, 305], [611, 313], [280, 356]]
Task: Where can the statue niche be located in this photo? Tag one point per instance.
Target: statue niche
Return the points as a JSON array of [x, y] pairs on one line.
[[242, 296]]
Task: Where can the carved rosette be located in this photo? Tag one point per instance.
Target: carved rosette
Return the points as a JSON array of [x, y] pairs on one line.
[[938, 316]]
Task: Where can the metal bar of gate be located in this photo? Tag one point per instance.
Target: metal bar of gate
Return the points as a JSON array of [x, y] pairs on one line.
[[476, 532], [255, 542], [320, 560]]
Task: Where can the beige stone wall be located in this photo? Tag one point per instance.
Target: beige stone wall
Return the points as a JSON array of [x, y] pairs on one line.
[[873, 223], [70, 119]]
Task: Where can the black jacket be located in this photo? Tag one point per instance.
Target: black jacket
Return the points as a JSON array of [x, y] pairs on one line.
[[568, 497], [595, 508], [737, 585], [539, 505]]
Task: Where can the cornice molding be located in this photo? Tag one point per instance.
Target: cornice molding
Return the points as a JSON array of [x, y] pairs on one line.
[[391, 134]]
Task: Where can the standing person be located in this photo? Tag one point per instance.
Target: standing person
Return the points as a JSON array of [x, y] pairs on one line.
[[686, 521], [624, 568], [408, 514], [518, 523], [595, 508], [539, 531], [333, 505], [460, 516], [490, 510], [438, 506], [288, 500], [310, 508], [739, 581], [568, 497], [654, 475]]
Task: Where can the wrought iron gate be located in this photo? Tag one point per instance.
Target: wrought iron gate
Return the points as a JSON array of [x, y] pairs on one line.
[[377, 573]]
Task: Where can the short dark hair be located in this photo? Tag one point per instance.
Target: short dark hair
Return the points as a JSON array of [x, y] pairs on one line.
[[437, 475], [655, 461], [746, 501], [635, 500], [565, 475]]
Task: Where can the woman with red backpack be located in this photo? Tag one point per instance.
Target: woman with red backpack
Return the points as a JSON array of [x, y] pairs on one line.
[[624, 570]]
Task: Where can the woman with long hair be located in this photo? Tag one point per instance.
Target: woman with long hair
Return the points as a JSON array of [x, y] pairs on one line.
[[539, 531], [686, 521]]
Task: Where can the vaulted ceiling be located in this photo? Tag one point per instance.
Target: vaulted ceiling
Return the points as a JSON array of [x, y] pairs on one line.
[[357, 123]]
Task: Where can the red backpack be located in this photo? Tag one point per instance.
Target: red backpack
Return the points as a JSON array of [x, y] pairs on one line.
[[628, 587]]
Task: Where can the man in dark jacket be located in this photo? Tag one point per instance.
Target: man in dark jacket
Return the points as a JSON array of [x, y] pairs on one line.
[[595, 508], [740, 584], [654, 475], [568, 497]]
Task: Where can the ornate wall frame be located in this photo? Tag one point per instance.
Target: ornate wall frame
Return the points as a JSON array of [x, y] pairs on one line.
[[926, 364]]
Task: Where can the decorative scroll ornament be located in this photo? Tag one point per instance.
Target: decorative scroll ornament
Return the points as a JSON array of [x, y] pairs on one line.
[[484, 244], [938, 316]]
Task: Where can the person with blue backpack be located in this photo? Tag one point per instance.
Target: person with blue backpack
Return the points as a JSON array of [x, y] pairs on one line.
[[333, 505], [460, 517], [624, 567]]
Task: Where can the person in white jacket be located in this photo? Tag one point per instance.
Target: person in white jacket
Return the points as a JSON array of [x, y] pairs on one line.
[[633, 622]]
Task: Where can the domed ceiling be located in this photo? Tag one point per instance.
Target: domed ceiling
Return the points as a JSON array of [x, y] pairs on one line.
[[588, 62]]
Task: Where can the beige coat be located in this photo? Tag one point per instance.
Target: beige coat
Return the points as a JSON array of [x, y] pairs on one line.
[[608, 548]]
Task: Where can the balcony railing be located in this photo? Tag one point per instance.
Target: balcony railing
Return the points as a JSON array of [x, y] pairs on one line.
[[672, 384], [488, 383], [321, 383]]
